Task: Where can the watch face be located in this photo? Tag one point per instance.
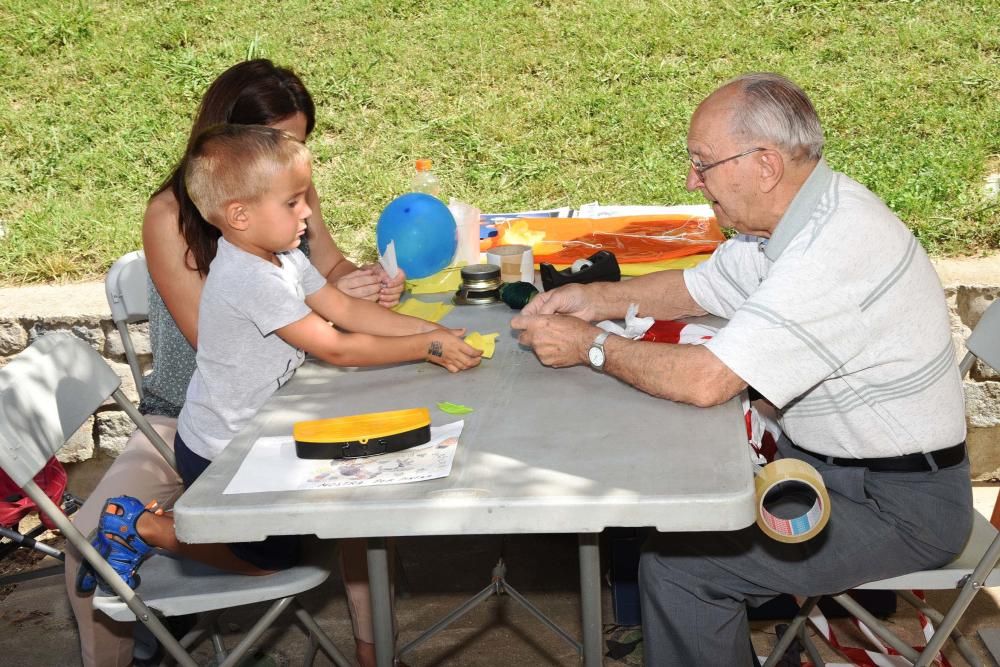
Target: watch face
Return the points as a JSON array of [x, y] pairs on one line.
[[596, 355]]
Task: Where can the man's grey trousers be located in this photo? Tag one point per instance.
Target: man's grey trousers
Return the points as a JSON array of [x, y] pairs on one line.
[[694, 587]]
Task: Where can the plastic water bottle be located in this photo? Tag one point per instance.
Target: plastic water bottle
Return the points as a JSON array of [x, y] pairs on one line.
[[424, 179]]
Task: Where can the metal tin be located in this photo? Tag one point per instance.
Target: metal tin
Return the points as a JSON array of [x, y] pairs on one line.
[[480, 285]]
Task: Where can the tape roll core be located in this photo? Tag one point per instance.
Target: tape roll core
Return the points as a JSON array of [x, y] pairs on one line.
[[782, 478]]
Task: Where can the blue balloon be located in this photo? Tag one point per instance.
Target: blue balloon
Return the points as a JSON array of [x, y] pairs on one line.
[[424, 231]]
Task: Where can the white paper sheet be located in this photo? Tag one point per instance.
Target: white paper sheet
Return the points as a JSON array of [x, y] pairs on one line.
[[272, 465], [595, 210], [388, 260]]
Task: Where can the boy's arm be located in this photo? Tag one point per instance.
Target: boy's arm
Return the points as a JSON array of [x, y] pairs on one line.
[[364, 316], [443, 347]]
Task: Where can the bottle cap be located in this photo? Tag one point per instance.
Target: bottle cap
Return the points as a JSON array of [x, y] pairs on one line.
[[423, 165]]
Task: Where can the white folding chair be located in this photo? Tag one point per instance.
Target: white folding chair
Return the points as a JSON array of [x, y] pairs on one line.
[[974, 568], [46, 393], [125, 286]]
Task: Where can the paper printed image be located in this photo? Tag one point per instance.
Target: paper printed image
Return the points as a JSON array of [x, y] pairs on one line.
[[271, 465], [428, 461]]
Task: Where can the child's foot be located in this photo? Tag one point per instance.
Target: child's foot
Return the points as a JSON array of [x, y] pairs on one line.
[[118, 541]]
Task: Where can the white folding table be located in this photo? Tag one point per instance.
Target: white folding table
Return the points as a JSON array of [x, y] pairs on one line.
[[545, 451]]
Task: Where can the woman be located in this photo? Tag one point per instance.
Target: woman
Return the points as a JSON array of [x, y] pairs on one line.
[[179, 246]]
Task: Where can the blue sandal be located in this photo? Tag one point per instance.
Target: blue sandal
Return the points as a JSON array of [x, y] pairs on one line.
[[118, 542]]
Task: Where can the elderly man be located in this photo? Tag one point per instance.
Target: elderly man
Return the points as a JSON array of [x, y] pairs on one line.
[[837, 318]]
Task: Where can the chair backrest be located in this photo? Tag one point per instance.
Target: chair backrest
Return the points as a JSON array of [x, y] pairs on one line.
[[46, 393], [984, 342], [125, 286], [128, 298]]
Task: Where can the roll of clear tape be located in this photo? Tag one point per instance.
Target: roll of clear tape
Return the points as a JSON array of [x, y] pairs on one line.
[[786, 478]]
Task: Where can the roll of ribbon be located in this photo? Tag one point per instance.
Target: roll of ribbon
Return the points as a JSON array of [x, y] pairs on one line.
[[784, 488]]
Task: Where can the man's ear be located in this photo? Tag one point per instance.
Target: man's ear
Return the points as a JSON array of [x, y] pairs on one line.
[[236, 216], [771, 164]]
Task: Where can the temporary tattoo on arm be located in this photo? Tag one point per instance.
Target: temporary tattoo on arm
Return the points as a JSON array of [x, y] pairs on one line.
[[435, 349]]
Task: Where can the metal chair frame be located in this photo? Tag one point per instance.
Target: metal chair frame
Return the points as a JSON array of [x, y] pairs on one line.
[[46, 393]]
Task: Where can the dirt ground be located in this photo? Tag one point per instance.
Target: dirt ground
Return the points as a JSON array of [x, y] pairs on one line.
[[24, 560]]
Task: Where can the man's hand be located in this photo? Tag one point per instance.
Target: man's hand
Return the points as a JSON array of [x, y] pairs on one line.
[[558, 340], [571, 300]]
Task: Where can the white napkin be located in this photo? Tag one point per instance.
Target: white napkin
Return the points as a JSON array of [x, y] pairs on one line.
[[634, 327]]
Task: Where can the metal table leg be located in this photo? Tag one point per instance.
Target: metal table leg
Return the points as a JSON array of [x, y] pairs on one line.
[[378, 581], [590, 599]]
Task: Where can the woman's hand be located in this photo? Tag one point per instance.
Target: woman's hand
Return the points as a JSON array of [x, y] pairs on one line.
[[372, 283], [390, 289], [360, 283]]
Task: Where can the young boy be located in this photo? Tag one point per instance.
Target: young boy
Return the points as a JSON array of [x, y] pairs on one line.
[[262, 308]]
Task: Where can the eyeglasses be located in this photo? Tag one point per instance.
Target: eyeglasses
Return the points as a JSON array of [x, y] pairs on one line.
[[700, 168]]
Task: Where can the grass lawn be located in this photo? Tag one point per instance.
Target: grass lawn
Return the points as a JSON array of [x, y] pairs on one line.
[[520, 105]]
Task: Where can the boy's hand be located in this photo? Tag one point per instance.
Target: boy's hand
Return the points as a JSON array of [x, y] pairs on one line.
[[448, 349]]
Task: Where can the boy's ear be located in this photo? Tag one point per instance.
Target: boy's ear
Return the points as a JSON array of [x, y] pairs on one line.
[[236, 216]]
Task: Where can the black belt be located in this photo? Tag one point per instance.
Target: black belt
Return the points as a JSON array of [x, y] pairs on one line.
[[944, 458]]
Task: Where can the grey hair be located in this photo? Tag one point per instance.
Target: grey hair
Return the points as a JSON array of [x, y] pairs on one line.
[[776, 110]]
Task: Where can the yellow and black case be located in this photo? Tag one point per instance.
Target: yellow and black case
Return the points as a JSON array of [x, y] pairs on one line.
[[356, 436]]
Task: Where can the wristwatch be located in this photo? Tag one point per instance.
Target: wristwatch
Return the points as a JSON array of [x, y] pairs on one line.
[[596, 352]]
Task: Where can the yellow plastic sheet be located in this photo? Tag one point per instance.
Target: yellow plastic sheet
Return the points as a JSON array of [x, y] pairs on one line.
[[446, 280], [486, 343], [432, 312]]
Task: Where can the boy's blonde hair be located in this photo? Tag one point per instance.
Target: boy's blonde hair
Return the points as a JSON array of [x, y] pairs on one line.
[[228, 163]]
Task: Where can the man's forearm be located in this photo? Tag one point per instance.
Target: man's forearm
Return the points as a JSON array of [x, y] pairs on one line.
[[684, 373], [662, 295]]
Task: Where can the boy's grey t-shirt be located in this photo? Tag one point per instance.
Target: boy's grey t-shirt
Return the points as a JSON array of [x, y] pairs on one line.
[[241, 361]]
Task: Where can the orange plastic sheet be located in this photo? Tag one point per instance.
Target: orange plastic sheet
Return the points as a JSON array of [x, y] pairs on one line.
[[633, 239]]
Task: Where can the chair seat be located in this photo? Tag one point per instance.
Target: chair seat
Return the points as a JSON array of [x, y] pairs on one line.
[[948, 576], [174, 586]]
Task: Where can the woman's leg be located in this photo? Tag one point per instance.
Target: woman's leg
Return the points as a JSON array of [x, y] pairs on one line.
[[354, 569], [139, 471]]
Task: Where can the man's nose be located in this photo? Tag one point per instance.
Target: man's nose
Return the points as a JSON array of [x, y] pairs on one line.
[[306, 213], [693, 181]]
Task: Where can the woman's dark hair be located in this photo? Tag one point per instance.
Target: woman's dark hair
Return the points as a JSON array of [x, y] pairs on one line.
[[254, 92]]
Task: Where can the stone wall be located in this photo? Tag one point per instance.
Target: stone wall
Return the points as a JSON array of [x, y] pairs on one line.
[[26, 313], [982, 387], [105, 434]]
